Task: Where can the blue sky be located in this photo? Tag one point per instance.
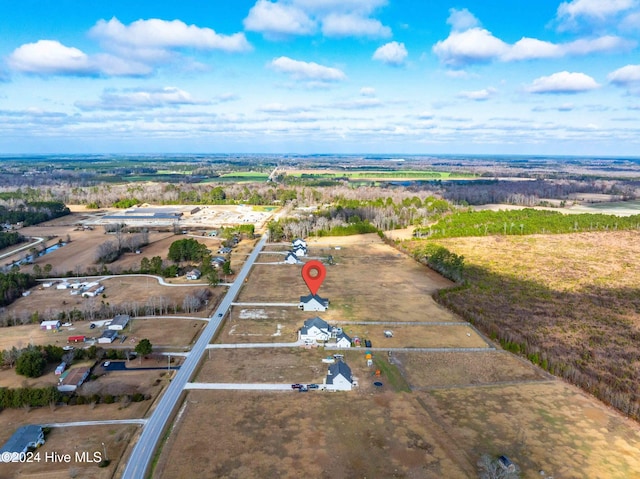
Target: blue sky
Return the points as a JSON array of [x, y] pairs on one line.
[[321, 76]]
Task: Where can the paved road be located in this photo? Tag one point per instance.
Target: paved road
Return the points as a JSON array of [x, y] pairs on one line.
[[284, 305], [417, 350], [160, 279], [23, 247], [406, 323], [106, 422], [142, 453]]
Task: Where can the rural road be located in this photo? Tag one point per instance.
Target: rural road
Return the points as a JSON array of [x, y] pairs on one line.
[[254, 345], [145, 447], [106, 422], [241, 386], [23, 247], [160, 279]]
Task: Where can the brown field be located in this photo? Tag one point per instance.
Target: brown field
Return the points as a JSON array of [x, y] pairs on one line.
[[72, 440], [572, 299], [292, 435], [259, 325], [551, 427], [442, 370]]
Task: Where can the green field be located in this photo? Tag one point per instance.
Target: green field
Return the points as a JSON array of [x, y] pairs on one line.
[[382, 174], [243, 176]]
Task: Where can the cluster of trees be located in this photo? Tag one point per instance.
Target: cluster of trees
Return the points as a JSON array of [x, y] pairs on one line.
[[110, 250], [31, 213], [193, 302], [126, 203], [32, 360], [523, 222], [440, 259], [9, 239], [31, 397], [12, 285], [187, 249]]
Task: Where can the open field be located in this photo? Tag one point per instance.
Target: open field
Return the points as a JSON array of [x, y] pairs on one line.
[[379, 175], [320, 435], [72, 440], [551, 427], [570, 302], [442, 370], [370, 281]]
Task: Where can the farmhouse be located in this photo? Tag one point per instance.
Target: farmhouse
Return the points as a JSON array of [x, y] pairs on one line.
[[291, 258], [194, 274], [73, 379], [339, 377], [314, 329], [108, 336], [313, 302], [50, 325], [119, 322], [25, 438]]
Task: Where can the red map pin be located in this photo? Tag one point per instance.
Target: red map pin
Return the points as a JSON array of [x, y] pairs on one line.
[[313, 273]]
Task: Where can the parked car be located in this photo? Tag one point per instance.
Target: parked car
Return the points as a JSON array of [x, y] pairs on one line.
[[367, 343], [388, 334], [92, 326], [313, 386], [303, 389], [296, 386]]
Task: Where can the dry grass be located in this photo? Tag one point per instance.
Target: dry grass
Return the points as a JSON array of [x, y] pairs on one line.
[[551, 427], [291, 435]]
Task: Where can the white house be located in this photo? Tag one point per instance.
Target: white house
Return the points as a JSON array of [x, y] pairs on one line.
[[119, 322], [194, 274], [108, 336], [339, 377], [300, 251], [291, 258], [313, 302], [314, 330], [299, 243], [343, 341], [50, 325], [93, 291]]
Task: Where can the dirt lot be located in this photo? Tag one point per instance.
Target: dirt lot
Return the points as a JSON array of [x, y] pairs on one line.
[[164, 333], [551, 427], [370, 281], [261, 325], [292, 435]]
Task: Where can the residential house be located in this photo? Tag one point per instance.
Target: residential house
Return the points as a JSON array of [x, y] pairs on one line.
[[93, 291], [314, 330], [119, 322], [313, 302], [73, 379], [291, 258], [297, 243], [108, 336], [339, 377], [194, 274], [300, 251], [343, 341], [25, 438]]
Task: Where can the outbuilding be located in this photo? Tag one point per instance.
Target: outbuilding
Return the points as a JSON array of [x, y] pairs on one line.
[[75, 339], [73, 379], [50, 325]]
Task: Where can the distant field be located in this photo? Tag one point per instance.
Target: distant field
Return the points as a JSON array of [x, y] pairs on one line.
[[379, 175], [240, 176]]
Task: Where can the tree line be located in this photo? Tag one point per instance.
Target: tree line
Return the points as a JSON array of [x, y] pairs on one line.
[[31, 213], [9, 239]]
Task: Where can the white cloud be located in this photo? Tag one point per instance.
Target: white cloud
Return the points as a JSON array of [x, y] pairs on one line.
[[461, 20], [300, 70], [599, 9], [347, 18], [139, 99], [162, 34], [50, 57], [353, 25], [627, 76], [478, 95], [478, 45], [359, 104], [392, 53], [563, 82], [471, 46], [367, 91], [278, 19]]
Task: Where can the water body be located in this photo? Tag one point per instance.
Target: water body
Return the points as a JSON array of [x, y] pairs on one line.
[[29, 259]]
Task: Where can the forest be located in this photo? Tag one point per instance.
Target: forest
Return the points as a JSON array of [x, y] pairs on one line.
[[31, 212], [10, 238]]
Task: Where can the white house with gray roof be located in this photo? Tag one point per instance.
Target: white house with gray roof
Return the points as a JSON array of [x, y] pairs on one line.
[[313, 302], [314, 330], [339, 377]]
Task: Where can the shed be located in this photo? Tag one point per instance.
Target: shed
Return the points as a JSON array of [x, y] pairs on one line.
[[75, 339], [119, 322], [25, 438]]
